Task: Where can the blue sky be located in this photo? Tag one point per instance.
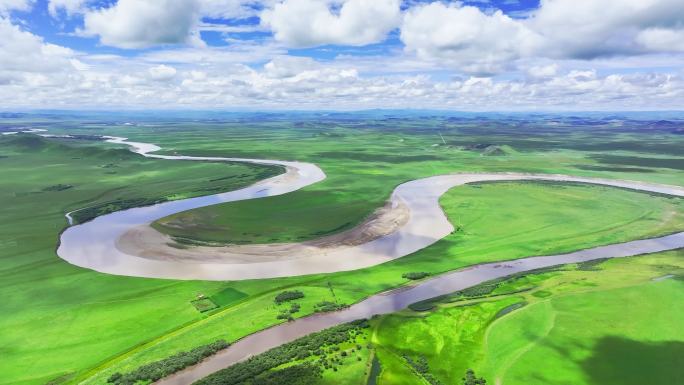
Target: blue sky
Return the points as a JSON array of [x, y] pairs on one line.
[[60, 30], [346, 54]]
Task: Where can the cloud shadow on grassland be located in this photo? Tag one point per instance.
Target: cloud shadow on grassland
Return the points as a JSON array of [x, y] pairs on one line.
[[621, 361]]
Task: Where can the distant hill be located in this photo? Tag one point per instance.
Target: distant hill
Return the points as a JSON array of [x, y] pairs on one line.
[[78, 147], [669, 126], [489, 149], [27, 142]]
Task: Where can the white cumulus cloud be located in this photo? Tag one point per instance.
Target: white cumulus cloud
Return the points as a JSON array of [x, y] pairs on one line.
[[162, 72], [144, 23], [15, 5], [567, 54], [24, 52], [662, 39], [589, 29], [464, 35], [543, 71], [474, 40], [308, 23]]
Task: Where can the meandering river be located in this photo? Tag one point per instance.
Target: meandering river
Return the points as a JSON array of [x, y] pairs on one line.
[[93, 245]]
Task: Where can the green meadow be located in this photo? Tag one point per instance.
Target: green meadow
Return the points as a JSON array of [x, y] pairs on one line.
[[364, 165], [74, 325], [590, 323], [613, 323], [60, 319]]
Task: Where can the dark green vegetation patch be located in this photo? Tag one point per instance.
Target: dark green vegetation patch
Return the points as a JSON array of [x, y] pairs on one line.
[[590, 167], [471, 379], [593, 265], [227, 296], [162, 368], [322, 345], [58, 187], [92, 212], [415, 275], [204, 304], [421, 366], [288, 295], [301, 374], [673, 163], [317, 214], [328, 306], [288, 313]]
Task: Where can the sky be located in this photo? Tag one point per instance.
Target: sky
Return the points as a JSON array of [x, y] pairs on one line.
[[478, 55]]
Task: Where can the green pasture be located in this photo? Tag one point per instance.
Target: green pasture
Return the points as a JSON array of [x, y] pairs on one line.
[[70, 324], [59, 319], [616, 323], [364, 165], [590, 323], [586, 215]]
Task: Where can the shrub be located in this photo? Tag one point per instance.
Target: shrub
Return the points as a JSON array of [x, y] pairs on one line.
[[254, 368], [159, 369], [421, 366], [415, 275], [471, 379], [288, 295], [303, 374], [327, 306]]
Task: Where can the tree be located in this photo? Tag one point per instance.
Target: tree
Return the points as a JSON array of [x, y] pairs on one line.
[[471, 379]]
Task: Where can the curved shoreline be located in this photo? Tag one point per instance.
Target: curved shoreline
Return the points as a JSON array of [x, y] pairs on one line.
[[93, 244]]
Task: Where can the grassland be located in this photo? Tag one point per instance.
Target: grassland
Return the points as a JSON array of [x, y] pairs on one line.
[[72, 324], [59, 319], [366, 160], [365, 163], [590, 323], [615, 323], [622, 213], [243, 222], [519, 219]]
